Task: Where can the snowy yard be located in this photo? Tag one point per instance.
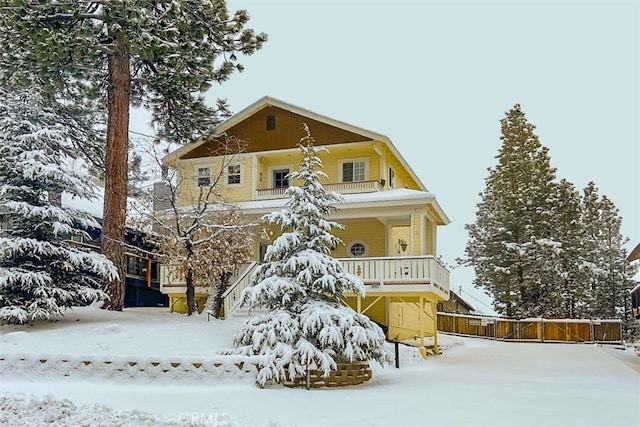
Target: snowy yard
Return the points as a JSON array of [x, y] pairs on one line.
[[474, 382]]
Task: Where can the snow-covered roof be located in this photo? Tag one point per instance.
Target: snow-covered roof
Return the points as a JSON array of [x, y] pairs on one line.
[[92, 207], [389, 198], [95, 206]]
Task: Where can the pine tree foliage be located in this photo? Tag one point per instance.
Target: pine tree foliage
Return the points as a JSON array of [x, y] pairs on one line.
[[513, 221], [156, 54], [301, 285], [567, 295], [537, 247], [611, 278], [203, 239], [40, 272]]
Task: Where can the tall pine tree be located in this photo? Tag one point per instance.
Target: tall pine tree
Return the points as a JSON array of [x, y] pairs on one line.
[[40, 273], [567, 293], [611, 278], [512, 234], [301, 285], [161, 55]]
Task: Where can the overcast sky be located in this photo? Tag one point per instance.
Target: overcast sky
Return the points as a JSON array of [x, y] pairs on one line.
[[436, 77]]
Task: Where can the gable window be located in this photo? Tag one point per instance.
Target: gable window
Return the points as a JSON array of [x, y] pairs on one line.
[[392, 178], [234, 175], [353, 170], [204, 177], [281, 178], [271, 122]]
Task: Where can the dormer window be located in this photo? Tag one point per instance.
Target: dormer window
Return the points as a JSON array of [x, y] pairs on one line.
[[204, 177], [271, 122]]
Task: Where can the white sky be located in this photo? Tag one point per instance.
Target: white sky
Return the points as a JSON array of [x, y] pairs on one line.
[[437, 77], [475, 382]]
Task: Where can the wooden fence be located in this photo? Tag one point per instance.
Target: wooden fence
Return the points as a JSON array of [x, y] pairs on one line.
[[537, 329]]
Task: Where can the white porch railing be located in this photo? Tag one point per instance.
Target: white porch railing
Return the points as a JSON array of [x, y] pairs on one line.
[[394, 274], [401, 274], [339, 187], [170, 276], [231, 297], [173, 281]]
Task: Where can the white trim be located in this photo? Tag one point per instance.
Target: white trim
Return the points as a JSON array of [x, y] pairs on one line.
[[364, 160], [391, 180], [272, 169], [226, 174], [196, 174]]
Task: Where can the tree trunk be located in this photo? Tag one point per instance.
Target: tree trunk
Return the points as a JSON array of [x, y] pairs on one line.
[[191, 297], [115, 188], [220, 290]]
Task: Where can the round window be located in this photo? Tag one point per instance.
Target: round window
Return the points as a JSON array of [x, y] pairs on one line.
[[357, 249]]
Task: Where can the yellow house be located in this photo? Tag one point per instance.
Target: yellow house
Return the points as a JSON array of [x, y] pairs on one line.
[[390, 218]]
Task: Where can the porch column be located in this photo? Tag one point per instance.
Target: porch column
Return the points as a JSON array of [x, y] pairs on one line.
[[418, 235]]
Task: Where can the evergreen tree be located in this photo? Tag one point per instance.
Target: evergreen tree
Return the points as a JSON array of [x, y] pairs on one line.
[[612, 277], [512, 236], [160, 55], [567, 295], [301, 285], [40, 273]]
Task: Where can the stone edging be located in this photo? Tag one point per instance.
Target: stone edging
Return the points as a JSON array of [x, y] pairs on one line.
[[345, 374], [80, 366]]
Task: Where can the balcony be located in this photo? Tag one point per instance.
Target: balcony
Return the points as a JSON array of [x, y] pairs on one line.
[[400, 274], [384, 275], [339, 187]]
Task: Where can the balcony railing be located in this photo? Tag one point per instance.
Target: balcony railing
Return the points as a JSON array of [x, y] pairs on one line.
[[384, 274], [339, 187], [172, 280], [400, 274]]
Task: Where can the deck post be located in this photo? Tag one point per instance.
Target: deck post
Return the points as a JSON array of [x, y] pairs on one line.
[[436, 349]]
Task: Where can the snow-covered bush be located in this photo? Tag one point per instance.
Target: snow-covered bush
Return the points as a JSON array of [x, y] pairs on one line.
[[301, 285], [40, 273]]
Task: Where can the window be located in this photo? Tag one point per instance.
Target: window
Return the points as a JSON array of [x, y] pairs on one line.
[[281, 178], [392, 178], [353, 171], [136, 266], [233, 175], [271, 122], [204, 177], [357, 248]]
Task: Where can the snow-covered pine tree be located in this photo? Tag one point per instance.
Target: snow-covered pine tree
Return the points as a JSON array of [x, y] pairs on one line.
[[301, 285], [567, 294], [512, 234], [40, 273], [612, 276], [92, 56]]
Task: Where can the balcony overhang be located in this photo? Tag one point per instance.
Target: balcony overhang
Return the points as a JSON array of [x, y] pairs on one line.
[[377, 203]]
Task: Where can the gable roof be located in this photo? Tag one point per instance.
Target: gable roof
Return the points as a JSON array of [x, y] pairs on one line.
[[267, 101], [635, 254]]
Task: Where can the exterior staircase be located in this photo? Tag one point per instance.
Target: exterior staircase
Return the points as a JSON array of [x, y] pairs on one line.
[[231, 297]]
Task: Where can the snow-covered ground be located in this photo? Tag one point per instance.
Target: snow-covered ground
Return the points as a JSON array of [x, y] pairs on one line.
[[475, 382]]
